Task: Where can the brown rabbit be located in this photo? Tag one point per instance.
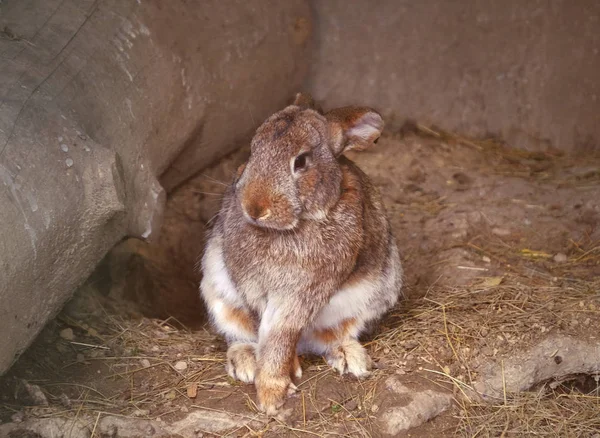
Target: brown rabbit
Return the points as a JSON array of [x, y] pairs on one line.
[[301, 257]]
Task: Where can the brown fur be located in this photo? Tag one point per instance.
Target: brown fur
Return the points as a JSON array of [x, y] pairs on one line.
[[292, 239], [241, 317], [335, 334]]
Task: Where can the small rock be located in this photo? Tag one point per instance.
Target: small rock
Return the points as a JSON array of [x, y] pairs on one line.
[[67, 334], [410, 344], [500, 231], [93, 332], [184, 409], [18, 417], [374, 408], [37, 395], [141, 413], [560, 258], [181, 365], [423, 406], [486, 259], [155, 348], [351, 405], [145, 363], [192, 390], [284, 415], [65, 400]]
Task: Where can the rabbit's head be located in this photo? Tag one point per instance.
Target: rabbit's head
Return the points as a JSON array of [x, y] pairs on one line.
[[293, 171]]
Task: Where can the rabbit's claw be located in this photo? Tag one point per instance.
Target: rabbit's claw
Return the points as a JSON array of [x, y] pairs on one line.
[[350, 358], [272, 392], [241, 362]]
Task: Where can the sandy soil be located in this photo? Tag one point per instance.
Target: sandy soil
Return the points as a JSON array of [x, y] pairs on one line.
[[501, 250]]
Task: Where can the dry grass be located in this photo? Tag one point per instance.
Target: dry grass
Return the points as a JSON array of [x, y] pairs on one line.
[[450, 332], [550, 413], [444, 335]]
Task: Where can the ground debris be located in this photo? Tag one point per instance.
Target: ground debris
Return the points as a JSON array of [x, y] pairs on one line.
[[417, 408], [502, 266]]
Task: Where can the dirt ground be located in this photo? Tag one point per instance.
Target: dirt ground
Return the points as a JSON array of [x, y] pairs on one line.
[[498, 334]]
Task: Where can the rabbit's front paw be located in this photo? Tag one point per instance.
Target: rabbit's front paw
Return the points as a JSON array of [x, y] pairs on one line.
[[272, 392], [351, 358], [241, 362]]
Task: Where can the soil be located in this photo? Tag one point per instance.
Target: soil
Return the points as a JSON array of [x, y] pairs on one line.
[[501, 250]]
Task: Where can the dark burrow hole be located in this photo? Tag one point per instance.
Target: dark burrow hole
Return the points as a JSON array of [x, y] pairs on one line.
[[584, 384]]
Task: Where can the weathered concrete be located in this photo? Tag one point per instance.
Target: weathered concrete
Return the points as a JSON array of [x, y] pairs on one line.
[[98, 99], [413, 408], [193, 425], [528, 71], [555, 357]]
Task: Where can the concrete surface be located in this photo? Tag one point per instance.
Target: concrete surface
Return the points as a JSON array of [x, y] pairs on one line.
[[106, 105], [527, 71]]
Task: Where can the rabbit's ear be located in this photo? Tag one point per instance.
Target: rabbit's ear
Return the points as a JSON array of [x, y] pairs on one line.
[[305, 101], [354, 128]]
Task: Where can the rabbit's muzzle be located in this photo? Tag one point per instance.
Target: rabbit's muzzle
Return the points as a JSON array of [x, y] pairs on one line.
[[264, 208]]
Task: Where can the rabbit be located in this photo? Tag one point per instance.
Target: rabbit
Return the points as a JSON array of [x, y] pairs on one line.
[[301, 258]]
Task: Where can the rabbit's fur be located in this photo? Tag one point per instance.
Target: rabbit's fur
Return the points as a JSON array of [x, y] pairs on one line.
[[301, 257]]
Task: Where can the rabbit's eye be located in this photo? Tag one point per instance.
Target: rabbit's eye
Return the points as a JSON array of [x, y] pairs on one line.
[[301, 162]]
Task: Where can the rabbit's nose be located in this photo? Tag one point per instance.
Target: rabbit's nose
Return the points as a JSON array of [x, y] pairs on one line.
[[258, 211]]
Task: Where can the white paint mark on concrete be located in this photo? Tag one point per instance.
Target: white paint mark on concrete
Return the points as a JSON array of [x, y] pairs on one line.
[[47, 219], [128, 74], [128, 103], [32, 201], [10, 183], [144, 30]]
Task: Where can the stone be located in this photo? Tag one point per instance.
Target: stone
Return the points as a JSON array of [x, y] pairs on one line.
[[560, 258], [503, 232], [552, 358], [181, 365], [67, 334], [36, 394], [422, 406]]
